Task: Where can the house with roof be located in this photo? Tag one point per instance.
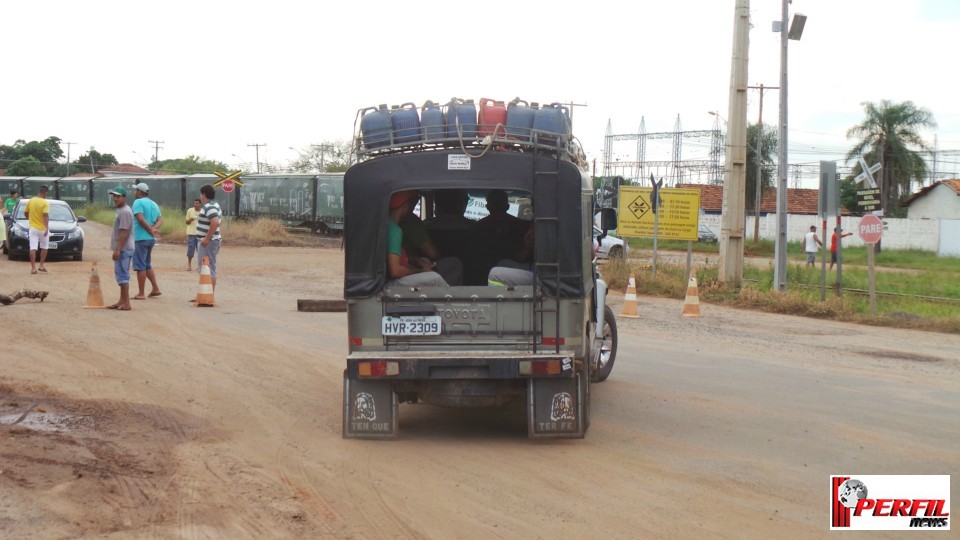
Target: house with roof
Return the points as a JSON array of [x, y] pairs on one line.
[[124, 169], [939, 200], [799, 201]]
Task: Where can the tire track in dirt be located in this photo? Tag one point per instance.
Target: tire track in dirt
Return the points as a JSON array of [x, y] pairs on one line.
[[301, 485]]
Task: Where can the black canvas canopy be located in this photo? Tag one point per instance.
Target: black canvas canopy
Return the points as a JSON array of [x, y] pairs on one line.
[[369, 184]]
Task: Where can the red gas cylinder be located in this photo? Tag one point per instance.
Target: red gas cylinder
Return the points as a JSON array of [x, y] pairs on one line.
[[492, 113]]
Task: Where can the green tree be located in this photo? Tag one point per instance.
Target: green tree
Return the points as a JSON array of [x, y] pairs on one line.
[[848, 193], [189, 165], [27, 166], [92, 162], [890, 135], [45, 152], [768, 170], [330, 156]]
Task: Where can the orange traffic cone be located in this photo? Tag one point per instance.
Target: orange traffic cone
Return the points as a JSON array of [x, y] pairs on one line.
[[205, 290], [691, 304], [94, 293], [630, 300]]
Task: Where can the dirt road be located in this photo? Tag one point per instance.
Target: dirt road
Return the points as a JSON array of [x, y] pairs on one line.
[[173, 421]]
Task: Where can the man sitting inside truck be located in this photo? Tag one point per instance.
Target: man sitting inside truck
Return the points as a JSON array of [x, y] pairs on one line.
[[415, 271], [517, 267], [449, 208]]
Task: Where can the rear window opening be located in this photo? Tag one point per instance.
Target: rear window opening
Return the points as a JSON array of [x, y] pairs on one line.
[[462, 237]]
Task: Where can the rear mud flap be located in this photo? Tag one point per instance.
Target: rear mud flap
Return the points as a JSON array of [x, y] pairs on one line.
[[557, 408], [369, 409]]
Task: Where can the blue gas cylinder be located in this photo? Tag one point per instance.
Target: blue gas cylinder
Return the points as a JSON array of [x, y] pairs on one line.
[[520, 119], [406, 123], [462, 118], [375, 126], [431, 120], [552, 119]]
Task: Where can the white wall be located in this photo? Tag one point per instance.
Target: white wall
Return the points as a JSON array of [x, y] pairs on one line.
[[901, 233], [949, 238]]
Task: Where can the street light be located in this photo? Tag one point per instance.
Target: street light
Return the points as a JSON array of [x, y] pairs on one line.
[[780, 248], [141, 157]]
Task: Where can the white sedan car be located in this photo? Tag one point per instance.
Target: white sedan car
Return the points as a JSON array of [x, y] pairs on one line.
[[610, 248]]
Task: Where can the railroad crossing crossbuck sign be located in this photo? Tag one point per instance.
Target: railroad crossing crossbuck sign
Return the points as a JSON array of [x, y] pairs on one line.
[[867, 173], [227, 181]]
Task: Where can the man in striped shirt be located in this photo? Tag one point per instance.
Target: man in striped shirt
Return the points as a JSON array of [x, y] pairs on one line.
[[208, 229]]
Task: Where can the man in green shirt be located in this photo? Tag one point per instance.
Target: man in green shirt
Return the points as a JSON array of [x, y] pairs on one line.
[[11, 201]]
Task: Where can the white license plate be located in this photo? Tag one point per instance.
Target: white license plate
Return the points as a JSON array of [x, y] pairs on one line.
[[428, 325], [52, 245]]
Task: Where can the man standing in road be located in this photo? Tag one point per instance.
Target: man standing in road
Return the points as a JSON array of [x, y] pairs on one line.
[[208, 230], [122, 244], [146, 229], [192, 238], [38, 212], [811, 244]]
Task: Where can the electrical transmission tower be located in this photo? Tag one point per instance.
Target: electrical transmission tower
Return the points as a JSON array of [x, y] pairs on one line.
[[676, 169]]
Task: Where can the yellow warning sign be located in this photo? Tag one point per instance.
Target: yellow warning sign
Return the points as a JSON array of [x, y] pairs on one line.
[[679, 213]]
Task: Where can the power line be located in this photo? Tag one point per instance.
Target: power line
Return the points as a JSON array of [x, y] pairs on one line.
[[258, 145], [156, 150]]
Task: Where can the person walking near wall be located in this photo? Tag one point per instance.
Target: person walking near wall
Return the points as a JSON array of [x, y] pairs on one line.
[[833, 244], [811, 245]]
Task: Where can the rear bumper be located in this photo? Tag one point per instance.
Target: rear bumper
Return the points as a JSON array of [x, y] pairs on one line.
[[21, 246], [458, 365]]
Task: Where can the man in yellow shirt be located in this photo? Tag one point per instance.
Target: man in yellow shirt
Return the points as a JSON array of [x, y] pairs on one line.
[[38, 212], [192, 238]]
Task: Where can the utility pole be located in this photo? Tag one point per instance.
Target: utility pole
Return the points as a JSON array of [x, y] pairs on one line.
[[323, 152], [571, 105], [69, 144], [734, 178], [793, 30], [156, 150], [258, 154], [780, 246], [757, 155]]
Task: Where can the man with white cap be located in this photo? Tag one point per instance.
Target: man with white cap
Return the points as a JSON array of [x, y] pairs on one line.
[[146, 228]]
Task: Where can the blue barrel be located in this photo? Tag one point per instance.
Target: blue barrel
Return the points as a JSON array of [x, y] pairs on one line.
[[431, 119], [552, 119], [520, 119], [406, 123], [375, 126], [462, 116]]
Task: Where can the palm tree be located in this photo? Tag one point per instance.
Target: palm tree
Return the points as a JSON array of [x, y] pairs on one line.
[[890, 135], [764, 152]]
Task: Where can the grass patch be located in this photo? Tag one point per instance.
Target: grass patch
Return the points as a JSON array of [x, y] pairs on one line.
[[917, 310], [237, 232]]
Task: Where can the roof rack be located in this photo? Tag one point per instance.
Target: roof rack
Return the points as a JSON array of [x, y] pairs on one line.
[[520, 140]]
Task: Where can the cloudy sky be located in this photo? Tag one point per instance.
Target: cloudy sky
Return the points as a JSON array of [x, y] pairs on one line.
[[211, 78]]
